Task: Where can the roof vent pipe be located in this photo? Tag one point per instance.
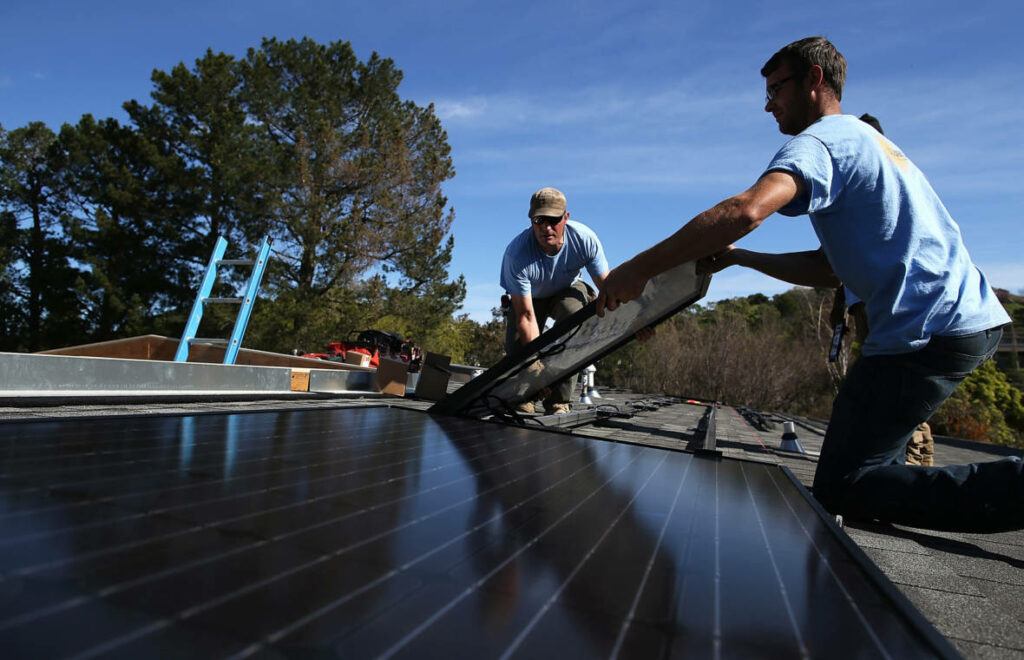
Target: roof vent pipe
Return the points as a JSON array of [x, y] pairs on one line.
[[789, 440], [584, 394], [591, 388]]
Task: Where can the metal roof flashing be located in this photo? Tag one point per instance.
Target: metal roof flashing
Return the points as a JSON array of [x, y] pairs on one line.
[[66, 378]]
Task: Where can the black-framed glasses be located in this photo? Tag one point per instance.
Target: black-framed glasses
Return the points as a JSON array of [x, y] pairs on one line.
[[551, 220], [773, 89]]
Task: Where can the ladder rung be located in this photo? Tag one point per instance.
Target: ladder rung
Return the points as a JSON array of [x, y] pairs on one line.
[[244, 298]]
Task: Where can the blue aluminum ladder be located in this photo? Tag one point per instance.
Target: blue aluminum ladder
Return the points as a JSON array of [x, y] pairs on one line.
[[246, 299]]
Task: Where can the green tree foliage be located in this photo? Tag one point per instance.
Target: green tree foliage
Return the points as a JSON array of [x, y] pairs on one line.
[[453, 338], [305, 143], [986, 407], [487, 341], [1013, 334], [126, 228], [218, 188], [37, 299], [12, 317], [737, 351], [107, 226]]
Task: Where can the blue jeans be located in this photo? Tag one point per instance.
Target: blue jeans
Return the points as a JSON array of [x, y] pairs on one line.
[[861, 472]]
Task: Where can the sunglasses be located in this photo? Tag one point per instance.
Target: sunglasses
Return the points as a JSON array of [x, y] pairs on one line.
[[550, 220]]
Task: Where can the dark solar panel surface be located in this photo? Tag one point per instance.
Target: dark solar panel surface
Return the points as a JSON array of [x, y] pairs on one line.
[[388, 532]]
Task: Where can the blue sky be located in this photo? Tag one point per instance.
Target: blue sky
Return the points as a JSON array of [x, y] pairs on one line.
[[643, 113]]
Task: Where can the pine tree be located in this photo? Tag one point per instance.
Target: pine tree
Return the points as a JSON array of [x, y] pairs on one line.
[[39, 308], [305, 143], [126, 228]]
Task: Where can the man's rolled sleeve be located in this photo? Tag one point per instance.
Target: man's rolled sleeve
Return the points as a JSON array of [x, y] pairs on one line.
[[806, 157]]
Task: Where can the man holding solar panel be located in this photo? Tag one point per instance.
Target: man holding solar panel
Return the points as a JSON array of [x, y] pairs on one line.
[[540, 271], [885, 234]]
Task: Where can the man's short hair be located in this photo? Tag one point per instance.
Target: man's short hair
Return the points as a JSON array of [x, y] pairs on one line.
[[805, 53], [873, 122]]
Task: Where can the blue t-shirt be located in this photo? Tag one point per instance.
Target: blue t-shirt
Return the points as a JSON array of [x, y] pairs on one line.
[[527, 271], [887, 235]]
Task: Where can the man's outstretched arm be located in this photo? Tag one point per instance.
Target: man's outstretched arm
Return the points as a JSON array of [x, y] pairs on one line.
[[809, 268], [708, 233]]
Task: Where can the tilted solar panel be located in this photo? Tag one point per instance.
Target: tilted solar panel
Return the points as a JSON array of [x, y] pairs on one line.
[[574, 343]]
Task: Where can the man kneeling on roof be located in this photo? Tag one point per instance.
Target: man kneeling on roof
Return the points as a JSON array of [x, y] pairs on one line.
[[540, 272], [885, 234]]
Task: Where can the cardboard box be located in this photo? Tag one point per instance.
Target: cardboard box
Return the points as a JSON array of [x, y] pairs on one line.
[[391, 377], [434, 375], [300, 380], [357, 358]]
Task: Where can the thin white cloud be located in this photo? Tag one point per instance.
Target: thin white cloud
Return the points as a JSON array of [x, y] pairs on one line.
[[465, 109], [961, 131], [683, 107]]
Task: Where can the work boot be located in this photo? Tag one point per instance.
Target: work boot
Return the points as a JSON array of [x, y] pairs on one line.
[[525, 408], [557, 408], [921, 446]]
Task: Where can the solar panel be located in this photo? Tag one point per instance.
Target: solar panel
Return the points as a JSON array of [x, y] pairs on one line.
[[387, 532], [572, 344]]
